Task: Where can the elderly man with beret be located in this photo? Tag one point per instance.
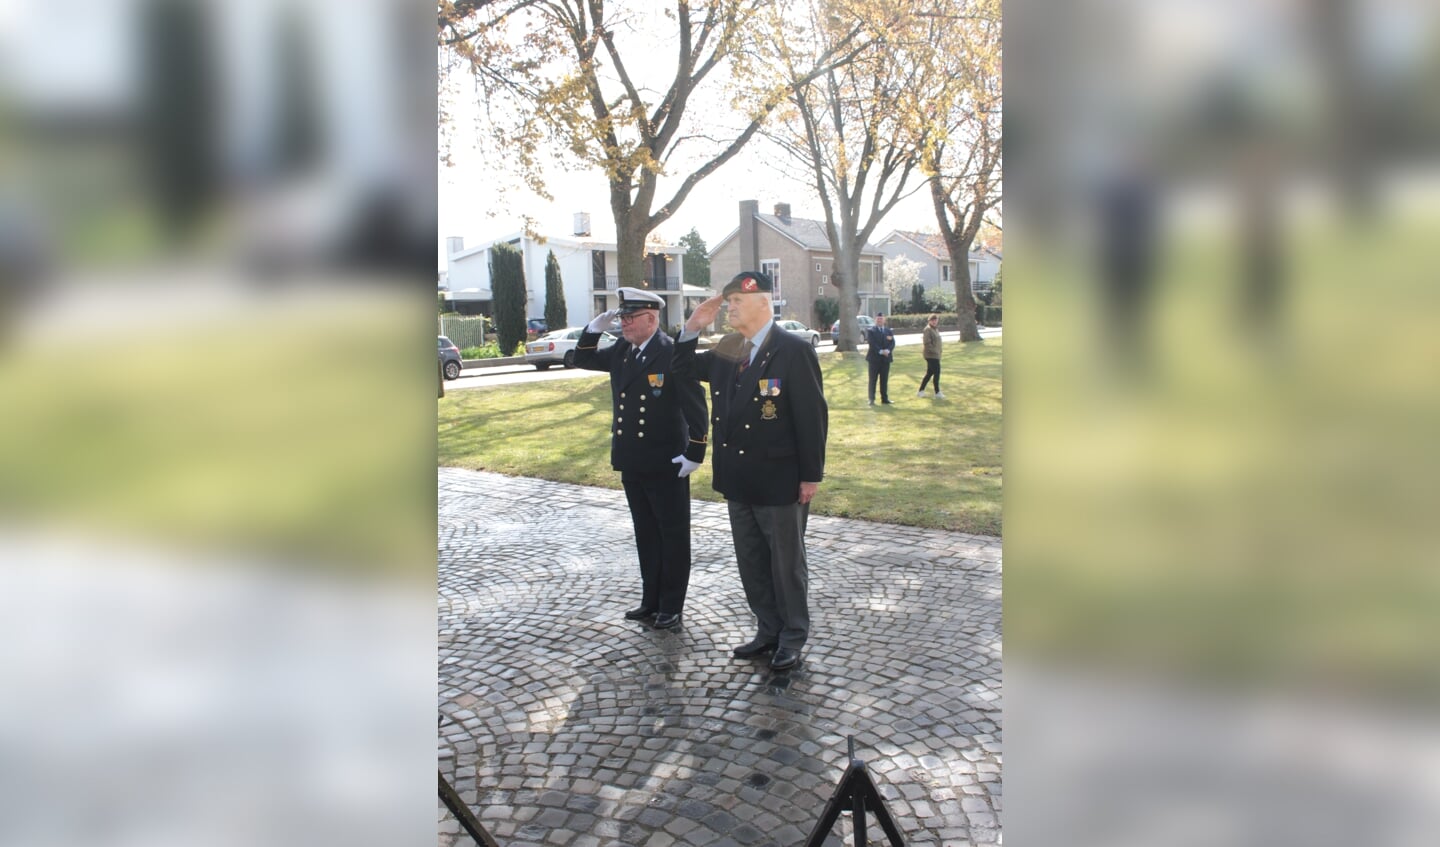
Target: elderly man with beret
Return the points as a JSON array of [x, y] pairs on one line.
[[657, 438], [768, 422]]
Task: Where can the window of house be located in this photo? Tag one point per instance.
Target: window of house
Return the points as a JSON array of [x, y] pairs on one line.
[[944, 271], [869, 277], [817, 267], [771, 268]]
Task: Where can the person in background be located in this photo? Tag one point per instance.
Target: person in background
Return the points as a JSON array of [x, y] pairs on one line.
[[930, 349], [658, 423], [882, 349], [770, 421]]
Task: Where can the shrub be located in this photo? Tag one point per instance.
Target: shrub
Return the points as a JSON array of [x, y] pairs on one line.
[[917, 299], [940, 298], [555, 310], [827, 311], [484, 351], [507, 284]]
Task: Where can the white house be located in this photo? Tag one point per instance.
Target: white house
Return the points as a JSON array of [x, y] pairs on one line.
[[588, 270], [928, 249]]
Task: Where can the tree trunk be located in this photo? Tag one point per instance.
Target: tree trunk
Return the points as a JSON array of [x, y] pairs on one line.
[[847, 268], [631, 231], [958, 236], [959, 250]]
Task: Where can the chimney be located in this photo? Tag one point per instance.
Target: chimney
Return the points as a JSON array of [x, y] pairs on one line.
[[582, 223], [782, 211], [454, 244], [749, 247]]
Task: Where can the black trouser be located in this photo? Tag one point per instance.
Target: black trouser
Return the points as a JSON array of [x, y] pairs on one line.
[[660, 510], [880, 368], [932, 368]]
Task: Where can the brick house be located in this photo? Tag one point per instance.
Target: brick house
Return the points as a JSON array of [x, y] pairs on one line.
[[796, 254]]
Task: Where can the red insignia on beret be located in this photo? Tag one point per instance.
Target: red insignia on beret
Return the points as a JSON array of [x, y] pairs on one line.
[[748, 284]]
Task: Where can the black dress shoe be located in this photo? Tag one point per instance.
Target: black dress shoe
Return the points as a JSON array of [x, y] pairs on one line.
[[665, 620], [639, 614], [753, 649], [785, 657]]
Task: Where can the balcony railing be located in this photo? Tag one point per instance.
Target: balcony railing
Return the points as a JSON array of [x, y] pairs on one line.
[[654, 283]]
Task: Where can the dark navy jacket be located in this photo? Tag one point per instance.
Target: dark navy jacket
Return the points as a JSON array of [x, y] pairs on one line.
[[655, 414], [769, 432], [879, 338]]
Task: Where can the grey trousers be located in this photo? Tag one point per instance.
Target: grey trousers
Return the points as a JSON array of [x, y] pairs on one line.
[[770, 550]]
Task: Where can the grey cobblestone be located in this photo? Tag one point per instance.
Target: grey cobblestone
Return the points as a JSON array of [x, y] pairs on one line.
[[568, 725]]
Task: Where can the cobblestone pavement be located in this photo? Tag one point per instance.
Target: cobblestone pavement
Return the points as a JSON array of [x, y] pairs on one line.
[[561, 723]]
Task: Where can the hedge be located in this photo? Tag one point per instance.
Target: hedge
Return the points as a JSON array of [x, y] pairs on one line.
[[988, 315], [949, 321]]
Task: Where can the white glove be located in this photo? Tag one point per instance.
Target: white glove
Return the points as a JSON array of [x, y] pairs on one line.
[[603, 321], [687, 467]]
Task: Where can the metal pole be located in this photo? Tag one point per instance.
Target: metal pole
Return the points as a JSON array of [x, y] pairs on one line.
[[462, 813], [857, 819]]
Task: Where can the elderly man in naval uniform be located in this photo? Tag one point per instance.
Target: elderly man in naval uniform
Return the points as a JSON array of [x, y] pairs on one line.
[[657, 438]]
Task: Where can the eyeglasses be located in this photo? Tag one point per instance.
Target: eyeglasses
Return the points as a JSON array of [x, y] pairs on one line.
[[631, 318]]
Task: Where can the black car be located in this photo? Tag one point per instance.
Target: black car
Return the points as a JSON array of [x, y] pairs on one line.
[[536, 327], [449, 358]]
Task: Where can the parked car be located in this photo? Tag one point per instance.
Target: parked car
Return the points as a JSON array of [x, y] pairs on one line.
[[865, 322], [805, 332], [558, 347], [535, 327], [450, 358]]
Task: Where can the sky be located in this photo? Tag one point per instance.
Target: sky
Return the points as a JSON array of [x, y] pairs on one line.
[[478, 204]]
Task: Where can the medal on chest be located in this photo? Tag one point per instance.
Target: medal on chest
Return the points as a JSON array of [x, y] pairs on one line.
[[656, 382], [767, 411]]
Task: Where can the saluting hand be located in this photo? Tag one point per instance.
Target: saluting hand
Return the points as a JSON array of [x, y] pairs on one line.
[[704, 314], [603, 321]]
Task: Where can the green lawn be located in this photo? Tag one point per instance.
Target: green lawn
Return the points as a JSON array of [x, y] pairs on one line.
[[920, 462]]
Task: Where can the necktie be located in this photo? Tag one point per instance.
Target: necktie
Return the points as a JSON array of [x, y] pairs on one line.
[[745, 356]]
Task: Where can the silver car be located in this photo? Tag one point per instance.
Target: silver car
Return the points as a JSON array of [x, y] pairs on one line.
[[558, 347], [863, 321], [805, 332]]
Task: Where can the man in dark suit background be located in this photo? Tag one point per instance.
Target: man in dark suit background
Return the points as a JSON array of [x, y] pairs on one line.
[[658, 423], [769, 422], [881, 339]]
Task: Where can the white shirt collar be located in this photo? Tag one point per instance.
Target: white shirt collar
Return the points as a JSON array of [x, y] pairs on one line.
[[640, 348]]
